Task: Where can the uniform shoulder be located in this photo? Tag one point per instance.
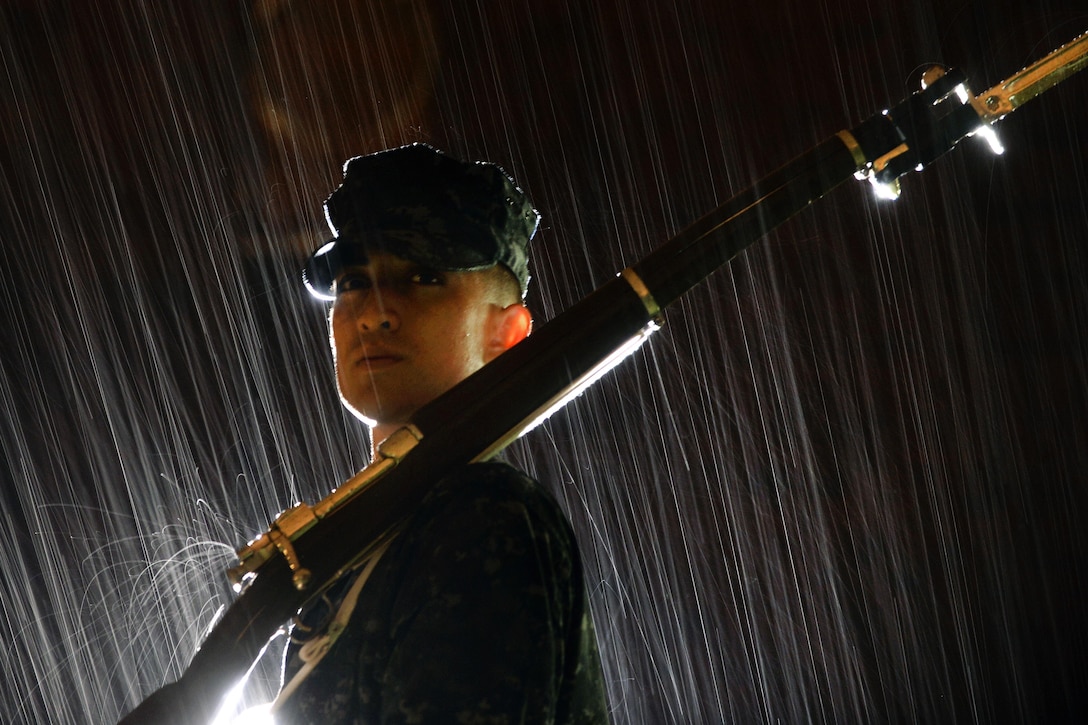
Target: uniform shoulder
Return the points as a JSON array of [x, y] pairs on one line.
[[492, 496], [494, 481]]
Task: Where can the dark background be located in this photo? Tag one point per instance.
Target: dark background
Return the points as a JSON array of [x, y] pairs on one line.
[[844, 483]]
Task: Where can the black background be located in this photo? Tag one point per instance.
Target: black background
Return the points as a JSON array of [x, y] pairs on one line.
[[844, 483]]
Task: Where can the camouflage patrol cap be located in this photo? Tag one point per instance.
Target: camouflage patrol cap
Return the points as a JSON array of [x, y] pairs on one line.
[[419, 204]]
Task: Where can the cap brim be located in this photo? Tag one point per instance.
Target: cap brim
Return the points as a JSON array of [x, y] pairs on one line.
[[324, 266]]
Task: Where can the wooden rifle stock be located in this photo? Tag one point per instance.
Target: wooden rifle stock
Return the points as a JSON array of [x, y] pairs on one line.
[[492, 407]]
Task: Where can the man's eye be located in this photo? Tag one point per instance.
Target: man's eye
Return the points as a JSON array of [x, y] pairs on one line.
[[352, 282]]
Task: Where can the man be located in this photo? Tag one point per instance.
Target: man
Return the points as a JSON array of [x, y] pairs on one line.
[[477, 611]]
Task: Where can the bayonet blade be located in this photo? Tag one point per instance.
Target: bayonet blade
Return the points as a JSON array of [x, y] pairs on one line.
[[1008, 95]]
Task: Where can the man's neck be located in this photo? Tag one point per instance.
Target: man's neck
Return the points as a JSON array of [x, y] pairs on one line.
[[379, 433]]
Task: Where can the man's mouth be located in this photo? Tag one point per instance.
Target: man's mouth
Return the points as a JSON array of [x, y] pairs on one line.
[[377, 361]]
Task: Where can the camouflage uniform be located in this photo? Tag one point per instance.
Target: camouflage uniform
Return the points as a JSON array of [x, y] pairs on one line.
[[477, 613]]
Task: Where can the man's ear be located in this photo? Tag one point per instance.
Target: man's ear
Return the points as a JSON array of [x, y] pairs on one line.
[[513, 325]]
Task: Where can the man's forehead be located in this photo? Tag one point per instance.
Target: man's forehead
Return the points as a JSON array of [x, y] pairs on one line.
[[382, 261], [385, 266], [371, 258]]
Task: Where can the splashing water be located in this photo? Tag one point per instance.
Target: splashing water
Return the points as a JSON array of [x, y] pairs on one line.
[[844, 483]]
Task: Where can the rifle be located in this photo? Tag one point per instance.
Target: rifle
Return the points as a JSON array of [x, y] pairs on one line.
[[309, 546]]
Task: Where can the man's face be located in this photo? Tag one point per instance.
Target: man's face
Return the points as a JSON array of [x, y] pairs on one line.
[[403, 334]]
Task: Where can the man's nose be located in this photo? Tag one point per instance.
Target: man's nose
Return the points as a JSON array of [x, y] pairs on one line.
[[378, 312]]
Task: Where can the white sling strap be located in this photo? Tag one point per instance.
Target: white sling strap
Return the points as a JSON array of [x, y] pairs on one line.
[[315, 650]]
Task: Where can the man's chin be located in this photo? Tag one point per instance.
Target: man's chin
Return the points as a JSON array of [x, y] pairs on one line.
[[370, 422], [374, 416], [365, 413]]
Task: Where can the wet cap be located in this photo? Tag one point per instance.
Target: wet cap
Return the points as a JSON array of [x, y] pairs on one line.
[[419, 204]]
